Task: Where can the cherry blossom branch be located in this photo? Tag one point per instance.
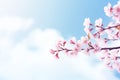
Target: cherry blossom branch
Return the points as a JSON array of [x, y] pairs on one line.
[[97, 36]]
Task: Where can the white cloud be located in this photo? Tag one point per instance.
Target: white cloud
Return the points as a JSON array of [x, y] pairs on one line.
[[14, 23], [29, 59], [9, 26], [93, 68]]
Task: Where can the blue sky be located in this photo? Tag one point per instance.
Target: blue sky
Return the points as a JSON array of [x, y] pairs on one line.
[[29, 28], [67, 16]]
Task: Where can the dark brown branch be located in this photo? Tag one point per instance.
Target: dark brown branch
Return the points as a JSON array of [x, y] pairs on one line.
[[107, 48], [65, 49], [111, 27], [110, 48]]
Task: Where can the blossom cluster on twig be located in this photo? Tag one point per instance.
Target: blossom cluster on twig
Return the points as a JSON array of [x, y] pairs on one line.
[[97, 39]]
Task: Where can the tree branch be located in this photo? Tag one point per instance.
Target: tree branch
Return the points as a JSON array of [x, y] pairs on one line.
[[110, 48]]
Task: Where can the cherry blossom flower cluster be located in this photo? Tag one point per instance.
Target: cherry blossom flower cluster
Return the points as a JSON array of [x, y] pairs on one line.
[[97, 39], [113, 12]]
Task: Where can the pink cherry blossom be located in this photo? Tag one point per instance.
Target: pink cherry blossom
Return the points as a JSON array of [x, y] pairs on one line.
[[84, 40], [56, 56], [87, 22], [96, 48], [98, 22], [73, 40], [101, 42], [75, 50], [52, 51], [116, 12], [87, 30], [108, 10]]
